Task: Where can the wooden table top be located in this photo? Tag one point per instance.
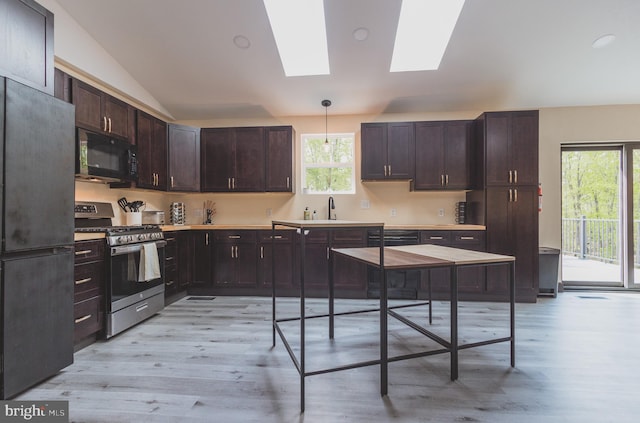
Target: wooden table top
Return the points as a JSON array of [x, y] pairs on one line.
[[392, 259], [421, 256]]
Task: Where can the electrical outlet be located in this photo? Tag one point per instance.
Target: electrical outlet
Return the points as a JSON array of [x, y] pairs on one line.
[[394, 212], [365, 204], [441, 212], [268, 212]]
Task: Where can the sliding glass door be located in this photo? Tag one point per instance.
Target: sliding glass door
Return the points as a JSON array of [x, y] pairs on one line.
[[593, 225]]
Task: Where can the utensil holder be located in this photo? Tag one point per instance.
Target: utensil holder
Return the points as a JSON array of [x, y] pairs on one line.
[[134, 218]]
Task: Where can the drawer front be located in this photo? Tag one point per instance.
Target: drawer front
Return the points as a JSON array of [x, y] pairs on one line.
[[86, 251], [281, 236], [435, 237], [234, 237], [349, 236], [316, 237], [170, 238], [88, 280], [469, 239], [170, 278], [88, 317]]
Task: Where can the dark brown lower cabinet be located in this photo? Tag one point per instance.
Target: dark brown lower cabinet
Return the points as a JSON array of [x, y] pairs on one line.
[[185, 259], [512, 229], [470, 279], [202, 262], [235, 260], [170, 265], [350, 277], [283, 249], [88, 298]]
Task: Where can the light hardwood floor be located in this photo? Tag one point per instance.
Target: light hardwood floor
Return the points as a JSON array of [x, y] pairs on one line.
[[577, 360]]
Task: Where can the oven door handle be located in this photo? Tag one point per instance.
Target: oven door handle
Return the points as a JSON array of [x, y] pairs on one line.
[[134, 248]]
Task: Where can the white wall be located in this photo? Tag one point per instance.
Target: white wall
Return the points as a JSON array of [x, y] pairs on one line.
[[575, 125]]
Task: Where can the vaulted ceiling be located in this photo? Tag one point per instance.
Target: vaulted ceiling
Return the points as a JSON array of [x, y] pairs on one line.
[[504, 54]]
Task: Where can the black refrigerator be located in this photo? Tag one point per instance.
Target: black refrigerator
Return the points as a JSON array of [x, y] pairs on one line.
[[36, 256]]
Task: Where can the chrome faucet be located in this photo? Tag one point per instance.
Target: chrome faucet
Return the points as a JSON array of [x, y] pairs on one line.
[[332, 206]]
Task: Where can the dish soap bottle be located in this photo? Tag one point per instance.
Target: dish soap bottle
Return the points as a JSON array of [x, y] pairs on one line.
[[314, 216], [307, 215]]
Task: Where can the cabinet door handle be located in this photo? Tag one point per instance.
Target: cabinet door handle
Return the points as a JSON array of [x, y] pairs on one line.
[[442, 180], [390, 170], [385, 170], [234, 237], [104, 123], [232, 256], [446, 180], [236, 247], [82, 252], [436, 237], [169, 239], [515, 176], [515, 196], [510, 176], [81, 281], [169, 283], [109, 125], [169, 258], [206, 237], [467, 238], [83, 318], [172, 182], [327, 253], [261, 252], [288, 182], [510, 195], [233, 183], [229, 183]]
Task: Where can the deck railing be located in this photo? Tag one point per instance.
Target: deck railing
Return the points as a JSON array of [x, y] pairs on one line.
[[594, 239]]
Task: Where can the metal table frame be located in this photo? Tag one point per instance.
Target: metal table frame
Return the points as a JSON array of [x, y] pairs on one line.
[[452, 346]]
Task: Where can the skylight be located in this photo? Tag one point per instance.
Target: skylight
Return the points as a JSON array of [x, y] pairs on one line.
[[299, 30], [424, 30]]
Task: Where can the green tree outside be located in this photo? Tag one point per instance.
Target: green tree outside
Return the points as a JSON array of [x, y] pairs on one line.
[[328, 163]]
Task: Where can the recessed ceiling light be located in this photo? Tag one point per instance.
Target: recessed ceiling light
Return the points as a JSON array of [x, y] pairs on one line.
[[424, 30], [241, 41], [603, 41], [360, 34], [301, 36]]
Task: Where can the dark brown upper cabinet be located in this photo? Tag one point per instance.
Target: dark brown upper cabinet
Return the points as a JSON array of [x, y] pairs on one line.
[[233, 159], [511, 147], [151, 136], [387, 151], [184, 158], [279, 160], [26, 54], [443, 154], [98, 111]]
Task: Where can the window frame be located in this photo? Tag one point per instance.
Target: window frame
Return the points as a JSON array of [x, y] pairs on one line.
[[304, 165]]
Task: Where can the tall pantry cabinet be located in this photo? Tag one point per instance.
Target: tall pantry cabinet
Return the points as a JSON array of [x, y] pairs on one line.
[[506, 198]]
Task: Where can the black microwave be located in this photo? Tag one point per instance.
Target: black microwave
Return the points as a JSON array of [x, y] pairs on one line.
[[103, 157]]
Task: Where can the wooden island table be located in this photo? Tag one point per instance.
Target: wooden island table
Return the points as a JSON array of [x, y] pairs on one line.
[[385, 259]]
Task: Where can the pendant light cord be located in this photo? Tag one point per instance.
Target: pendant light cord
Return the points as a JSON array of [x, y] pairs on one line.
[[326, 104]]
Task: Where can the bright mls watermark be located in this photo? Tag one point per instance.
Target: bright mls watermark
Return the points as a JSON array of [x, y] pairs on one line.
[[34, 411]]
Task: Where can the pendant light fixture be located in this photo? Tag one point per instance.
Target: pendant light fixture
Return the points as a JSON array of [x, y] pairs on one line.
[[326, 104]]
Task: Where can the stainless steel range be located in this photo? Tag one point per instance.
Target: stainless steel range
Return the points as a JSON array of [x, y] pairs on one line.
[[135, 266]]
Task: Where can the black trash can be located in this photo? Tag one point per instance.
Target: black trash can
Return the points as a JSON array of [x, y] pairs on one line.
[[549, 259]]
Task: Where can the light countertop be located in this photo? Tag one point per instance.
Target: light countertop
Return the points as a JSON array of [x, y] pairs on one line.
[[309, 223]]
